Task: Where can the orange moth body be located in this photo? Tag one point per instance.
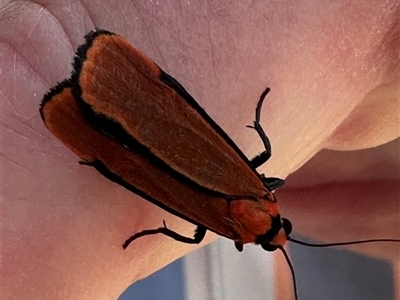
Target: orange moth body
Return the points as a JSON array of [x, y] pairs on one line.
[[120, 113]]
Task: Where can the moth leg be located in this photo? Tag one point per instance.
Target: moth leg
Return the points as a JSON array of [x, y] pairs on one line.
[[272, 183], [199, 235], [239, 246], [261, 158]]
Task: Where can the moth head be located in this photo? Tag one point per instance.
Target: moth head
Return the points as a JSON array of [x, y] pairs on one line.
[[277, 235]]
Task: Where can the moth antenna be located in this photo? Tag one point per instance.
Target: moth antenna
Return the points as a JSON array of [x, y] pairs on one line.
[[291, 270], [342, 243]]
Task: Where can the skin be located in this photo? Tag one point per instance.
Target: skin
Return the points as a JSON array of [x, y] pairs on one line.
[[334, 73]]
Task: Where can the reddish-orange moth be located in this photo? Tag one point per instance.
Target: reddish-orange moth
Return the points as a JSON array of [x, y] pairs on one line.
[[136, 125]]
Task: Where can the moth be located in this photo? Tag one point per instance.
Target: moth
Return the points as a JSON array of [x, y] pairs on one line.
[[136, 125]]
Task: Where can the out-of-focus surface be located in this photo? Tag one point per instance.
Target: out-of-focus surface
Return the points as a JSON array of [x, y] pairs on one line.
[[219, 272], [168, 283], [332, 274]]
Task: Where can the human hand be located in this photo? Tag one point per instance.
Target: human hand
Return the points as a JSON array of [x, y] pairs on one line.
[[334, 85]]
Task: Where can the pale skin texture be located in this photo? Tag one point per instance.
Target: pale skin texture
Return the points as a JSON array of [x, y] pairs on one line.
[[334, 74]]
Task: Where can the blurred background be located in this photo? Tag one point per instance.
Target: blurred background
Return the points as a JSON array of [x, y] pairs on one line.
[[219, 272]]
